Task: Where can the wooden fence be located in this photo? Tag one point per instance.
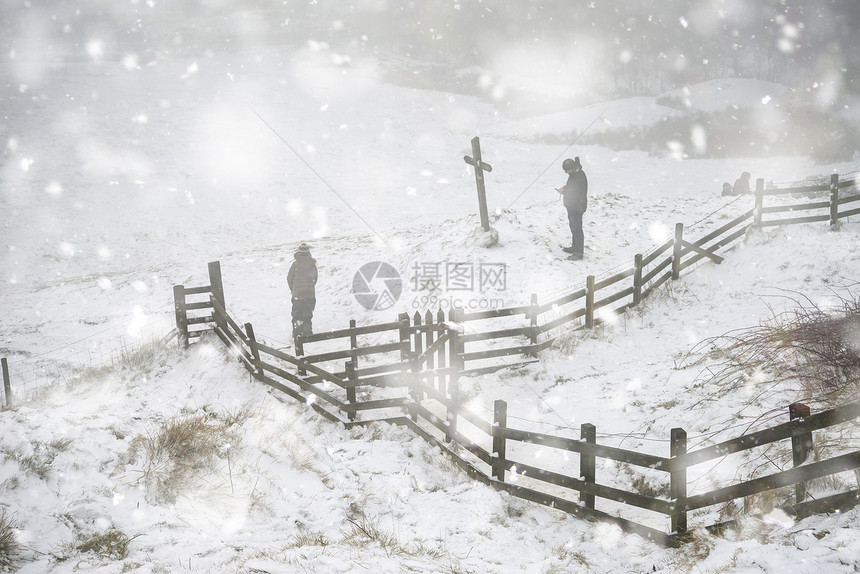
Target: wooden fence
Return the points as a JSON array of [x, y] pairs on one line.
[[409, 375], [191, 314], [503, 456], [831, 210]]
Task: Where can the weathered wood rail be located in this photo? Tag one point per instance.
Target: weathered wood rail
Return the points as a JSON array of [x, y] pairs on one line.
[[831, 210]]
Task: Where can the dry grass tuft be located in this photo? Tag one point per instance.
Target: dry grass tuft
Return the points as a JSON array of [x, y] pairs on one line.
[[39, 463], [236, 416], [363, 532], [696, 548], [360, 534], [306, 538], [9, 545], [571, 558], [111, 544], [301, 455], [178, 454], [813, 351]]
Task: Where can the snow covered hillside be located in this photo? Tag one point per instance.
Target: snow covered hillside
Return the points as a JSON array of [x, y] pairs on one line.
[[131, 160]]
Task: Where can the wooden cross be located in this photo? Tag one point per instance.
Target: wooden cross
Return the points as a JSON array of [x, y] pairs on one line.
[[480, 168]]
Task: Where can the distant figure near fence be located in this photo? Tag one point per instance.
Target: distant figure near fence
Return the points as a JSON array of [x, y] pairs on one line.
[[302, 280], [742, 184], [575, 195]]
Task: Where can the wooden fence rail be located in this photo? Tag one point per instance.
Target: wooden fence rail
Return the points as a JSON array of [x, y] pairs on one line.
[[830, 207]]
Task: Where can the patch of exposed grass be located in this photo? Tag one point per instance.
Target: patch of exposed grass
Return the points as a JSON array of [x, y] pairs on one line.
[[359, 533], [571, 558], [40, 461], [697, 546], [111, 544], [10, 547], [812, 350], [648, 486], [177, 454], [363, 532], [236, 416], [306, 538]]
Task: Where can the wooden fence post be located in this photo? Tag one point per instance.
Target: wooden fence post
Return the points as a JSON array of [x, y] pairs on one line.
[[417, 342], [587, 462], [181, 314], [7, 384], [589, 301], [637, 279], [533, 323], [353, 341], [431, 360], [759, 201], [801, 446], [352, 380], [678, 481], [299, 344], [406, 355], [455, 358], [500, 422], [215, 282], [405, 343], [443, 360], [418, 348], [255, 351], [415, 368], [834, 199], [415, 394], [676, 254]]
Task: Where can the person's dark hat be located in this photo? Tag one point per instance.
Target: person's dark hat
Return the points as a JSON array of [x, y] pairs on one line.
[[304, 248], [570, 164]]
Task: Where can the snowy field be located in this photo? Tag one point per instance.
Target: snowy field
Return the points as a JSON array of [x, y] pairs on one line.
[[128, 168]]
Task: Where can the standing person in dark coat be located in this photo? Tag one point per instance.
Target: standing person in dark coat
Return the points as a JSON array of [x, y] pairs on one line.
[[742, 184], [575, 196], [302, 280]]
